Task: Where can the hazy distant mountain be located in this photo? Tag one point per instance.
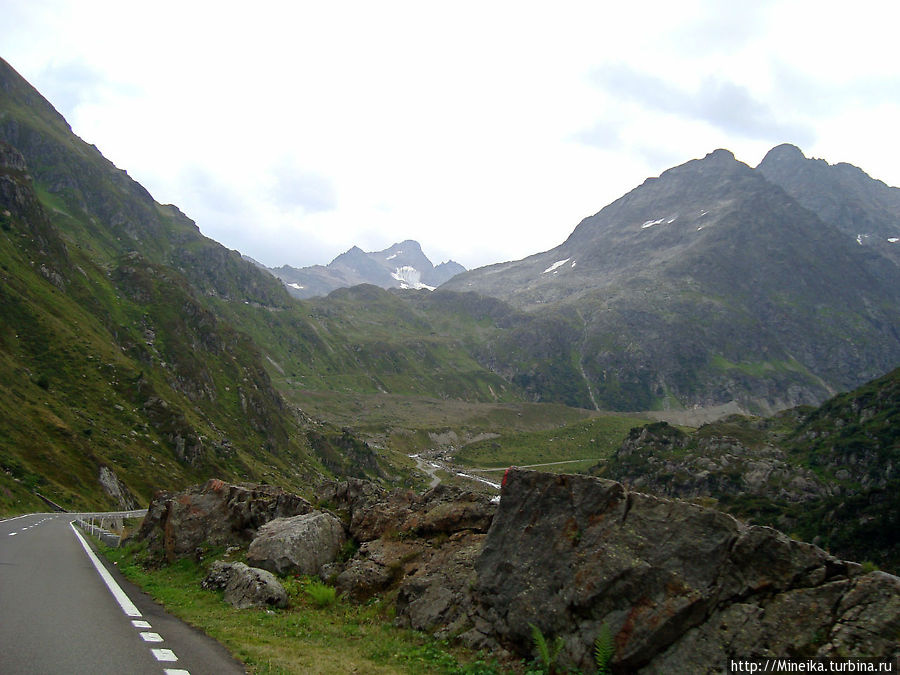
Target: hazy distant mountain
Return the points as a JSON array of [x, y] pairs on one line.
[[713, 283], [403, 265]]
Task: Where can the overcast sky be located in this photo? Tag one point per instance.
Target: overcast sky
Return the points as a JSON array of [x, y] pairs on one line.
[[292, 131]]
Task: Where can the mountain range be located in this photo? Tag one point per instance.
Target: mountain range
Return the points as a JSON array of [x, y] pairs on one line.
[[403, 265], [715, 283], [136, 353]]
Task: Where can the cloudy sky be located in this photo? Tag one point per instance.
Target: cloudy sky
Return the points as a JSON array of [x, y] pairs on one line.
[[292, 131]]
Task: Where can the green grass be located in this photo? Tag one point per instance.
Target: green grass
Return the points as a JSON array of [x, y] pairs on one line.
[[589, 440], [308, 637]]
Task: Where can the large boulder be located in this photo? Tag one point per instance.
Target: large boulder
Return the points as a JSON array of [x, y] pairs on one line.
[[299, 545], [681, 587], [245, 586], [215, 514]]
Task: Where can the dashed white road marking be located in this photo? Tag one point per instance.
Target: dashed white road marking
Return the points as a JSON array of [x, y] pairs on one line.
[[141, 624], [176, 671], [13, 534], [151, 637], [164, 654]]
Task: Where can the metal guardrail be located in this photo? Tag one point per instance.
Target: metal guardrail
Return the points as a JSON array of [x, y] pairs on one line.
[[94, 522], [138, 513]]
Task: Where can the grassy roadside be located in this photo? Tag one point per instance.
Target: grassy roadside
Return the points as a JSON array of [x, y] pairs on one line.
[[341, 637]]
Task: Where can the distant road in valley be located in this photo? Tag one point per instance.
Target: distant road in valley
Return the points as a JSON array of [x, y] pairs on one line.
[[57, 615]]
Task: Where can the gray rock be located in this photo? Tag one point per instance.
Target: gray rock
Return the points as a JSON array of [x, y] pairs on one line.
[[245, 586], [302, 544]]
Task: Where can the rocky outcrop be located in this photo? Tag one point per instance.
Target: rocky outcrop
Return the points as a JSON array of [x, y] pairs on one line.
[[298, 545], [681, 587], [425, 545], [373, 513], [115, 488], [245, 586], [215, 514], [662, 460]]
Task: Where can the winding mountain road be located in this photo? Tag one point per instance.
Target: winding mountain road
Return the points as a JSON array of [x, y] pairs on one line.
[[62, 610]]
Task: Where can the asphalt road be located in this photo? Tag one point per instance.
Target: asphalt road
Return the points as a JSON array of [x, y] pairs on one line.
[[58, 615]]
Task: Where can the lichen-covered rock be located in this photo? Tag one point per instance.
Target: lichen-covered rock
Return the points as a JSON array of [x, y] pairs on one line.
[[681, 587], [436, 596], [301, 545], [245, 586], [378, 565], [217, 514]]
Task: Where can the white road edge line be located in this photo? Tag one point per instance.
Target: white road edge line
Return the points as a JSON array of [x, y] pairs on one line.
[[114, 588]]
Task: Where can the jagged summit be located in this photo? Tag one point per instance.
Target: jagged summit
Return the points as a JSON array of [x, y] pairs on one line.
[[402, 265]]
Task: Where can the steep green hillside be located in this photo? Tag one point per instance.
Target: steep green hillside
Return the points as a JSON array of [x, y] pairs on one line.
[[121, 368]]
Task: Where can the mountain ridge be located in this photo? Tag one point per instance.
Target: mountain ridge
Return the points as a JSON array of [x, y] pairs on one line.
[[401, 265], [707, 284]]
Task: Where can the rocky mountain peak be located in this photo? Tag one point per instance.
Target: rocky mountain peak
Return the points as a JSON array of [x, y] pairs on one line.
[[720, 155], [402, 265], [785, 152]]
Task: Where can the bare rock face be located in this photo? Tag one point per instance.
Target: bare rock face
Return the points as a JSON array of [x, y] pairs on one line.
[[217, 514], [245, 586], [115, 488], [300, 545], [681, 587]]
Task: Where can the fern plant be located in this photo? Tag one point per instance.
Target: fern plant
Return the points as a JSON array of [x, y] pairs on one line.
[[603, 649], [546, 653]]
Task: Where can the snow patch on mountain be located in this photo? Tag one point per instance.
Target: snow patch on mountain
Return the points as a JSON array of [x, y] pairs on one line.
[[297, 286], [556, 265], [410, 277], [893, 240]]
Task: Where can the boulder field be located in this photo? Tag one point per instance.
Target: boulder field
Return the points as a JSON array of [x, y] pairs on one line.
[[680, 587]]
